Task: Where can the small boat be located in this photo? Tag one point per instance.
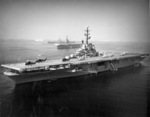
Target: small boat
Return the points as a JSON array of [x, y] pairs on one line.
[[86, 60]]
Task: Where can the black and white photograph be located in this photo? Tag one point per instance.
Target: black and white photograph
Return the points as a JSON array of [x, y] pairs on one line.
[[74, 58]]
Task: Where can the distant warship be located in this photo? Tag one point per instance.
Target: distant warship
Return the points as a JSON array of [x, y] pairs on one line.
[[67, 44], [59, 41]]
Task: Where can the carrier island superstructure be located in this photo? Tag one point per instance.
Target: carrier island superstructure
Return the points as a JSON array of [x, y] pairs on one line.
[[85, 61]]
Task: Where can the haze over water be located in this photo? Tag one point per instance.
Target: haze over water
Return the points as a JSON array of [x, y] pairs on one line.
[[109, 20]]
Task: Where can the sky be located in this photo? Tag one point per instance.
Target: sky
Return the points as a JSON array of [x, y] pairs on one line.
[[108, 20]]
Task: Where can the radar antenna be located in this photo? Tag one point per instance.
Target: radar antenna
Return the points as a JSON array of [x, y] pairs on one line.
[[87, 34]]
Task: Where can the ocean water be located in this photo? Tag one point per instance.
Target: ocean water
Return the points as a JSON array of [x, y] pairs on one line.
[[124, 93]]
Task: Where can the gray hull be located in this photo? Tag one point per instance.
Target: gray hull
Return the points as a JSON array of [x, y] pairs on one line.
[[92, 68], [68, 46]]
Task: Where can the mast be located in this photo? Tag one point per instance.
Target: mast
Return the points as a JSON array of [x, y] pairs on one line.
[[87, 34], [67, 40]]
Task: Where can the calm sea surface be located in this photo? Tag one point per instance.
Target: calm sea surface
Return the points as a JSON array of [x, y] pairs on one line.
[[124, 93]]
